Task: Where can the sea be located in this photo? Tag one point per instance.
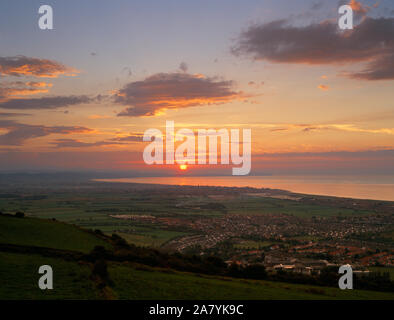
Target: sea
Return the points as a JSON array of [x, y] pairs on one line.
[[375, 187]]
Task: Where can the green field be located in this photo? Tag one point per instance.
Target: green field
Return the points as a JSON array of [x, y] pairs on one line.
[[251, 244], [46, 233]]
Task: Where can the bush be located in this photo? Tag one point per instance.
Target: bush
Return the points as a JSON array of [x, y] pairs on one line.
[[19, 214], [100, 269]]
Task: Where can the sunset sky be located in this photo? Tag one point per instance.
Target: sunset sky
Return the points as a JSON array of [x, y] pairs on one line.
[[318, 99]]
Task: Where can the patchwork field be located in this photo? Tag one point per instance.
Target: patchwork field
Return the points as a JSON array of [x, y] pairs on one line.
[[90, 205]]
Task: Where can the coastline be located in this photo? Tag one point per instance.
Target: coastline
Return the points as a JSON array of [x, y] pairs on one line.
[[305, 186]]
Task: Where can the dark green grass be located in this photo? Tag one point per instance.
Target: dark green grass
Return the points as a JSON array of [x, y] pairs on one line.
[[46, 233], [19, 278], [389, 270], [147, 283]]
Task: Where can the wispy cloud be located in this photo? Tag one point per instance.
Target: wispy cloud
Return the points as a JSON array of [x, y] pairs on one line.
[[48, 102], [121, 140], [333, 126], [18, 133]]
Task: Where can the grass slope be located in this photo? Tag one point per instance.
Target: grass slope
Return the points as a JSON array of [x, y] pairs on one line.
[[46, 233], [148, 283], [19, 278]]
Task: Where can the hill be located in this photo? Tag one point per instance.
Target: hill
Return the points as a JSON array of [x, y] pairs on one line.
[[83, 275], [47, 233]]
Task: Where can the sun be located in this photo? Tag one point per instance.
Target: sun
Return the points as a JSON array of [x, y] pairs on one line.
[[183, 167]]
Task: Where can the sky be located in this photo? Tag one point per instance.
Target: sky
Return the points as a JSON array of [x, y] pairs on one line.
[[80, 96]]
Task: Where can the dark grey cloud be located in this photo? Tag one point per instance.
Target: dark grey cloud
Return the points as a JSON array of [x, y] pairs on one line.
[[135, 137], [128, 71], [12, 114], [183, 66], [317, 5], [73, 143], [27, 66], [173, 91], [18, 133], [381, 68], [371, 41], [47, 102]]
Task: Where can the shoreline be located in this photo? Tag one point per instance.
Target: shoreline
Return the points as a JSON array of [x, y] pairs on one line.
[[274, 190]]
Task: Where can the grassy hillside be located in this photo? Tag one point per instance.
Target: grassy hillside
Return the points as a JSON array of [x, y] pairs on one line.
[[19, 278], [46, 233], [148, 283], [19, 274]]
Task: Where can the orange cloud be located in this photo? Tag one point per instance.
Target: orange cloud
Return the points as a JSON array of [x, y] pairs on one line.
[[7, 92], [38, 84], [26, 66], [323, 87], [162, 91], [357, 6], [97, 116]]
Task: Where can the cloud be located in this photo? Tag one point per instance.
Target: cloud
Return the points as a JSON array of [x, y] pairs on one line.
[[371, 41], [317, 5], [73, 143], [12, 114], [26, 66], [36, 84], [162, 91], [18, 133], [358, 7], [134, 137], [183, 66], [20, 88], [380, 69], [128, 71], [8, 92], [47, 102], [323, 87], [346, 127], [98, 116]]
